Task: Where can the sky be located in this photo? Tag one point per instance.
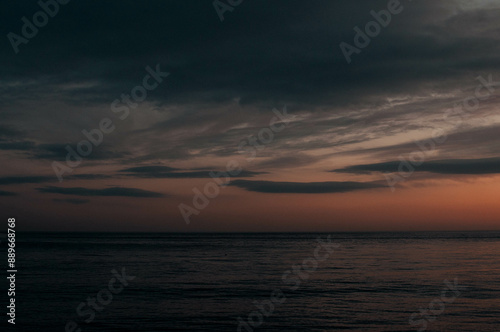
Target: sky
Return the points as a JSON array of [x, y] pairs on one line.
[[281, 116]]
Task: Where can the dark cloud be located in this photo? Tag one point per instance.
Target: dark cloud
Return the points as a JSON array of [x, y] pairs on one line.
[[75, 201], [303, 188], [288, 161], [165, 172], [297, 59], [9, 180], [149, 169], [114, 191], [88, 177], [9, 131], [51, 151], [58, 151], [25, 145], [25, 179], [226, 77], [451, 166], [7, 193]]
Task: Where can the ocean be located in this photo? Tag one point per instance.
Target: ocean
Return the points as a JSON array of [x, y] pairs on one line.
[[438, 281]]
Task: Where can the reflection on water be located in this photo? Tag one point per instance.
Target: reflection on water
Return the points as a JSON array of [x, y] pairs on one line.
[[205, 282]]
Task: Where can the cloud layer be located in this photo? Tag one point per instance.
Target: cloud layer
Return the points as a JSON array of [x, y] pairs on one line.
[[303, 188], [413, 79], [451, 166], [115, 191]]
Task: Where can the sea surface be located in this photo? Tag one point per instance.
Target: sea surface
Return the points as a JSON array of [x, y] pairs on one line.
[[215, 282]]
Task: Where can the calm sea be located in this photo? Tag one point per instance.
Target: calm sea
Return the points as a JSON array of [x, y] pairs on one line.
[[206, 282]]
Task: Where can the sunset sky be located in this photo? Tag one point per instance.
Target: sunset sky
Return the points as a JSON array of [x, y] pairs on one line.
[[422, 93]]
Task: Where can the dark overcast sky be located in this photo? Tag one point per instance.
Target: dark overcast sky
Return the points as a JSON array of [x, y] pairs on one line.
[[349, 122]]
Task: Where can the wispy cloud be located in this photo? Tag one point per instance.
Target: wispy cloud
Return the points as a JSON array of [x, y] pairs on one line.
[[303, 187], [165, 172], [75, 201], [17, 145], [6, 180], [114, 191], [451, 166], [12, 180]]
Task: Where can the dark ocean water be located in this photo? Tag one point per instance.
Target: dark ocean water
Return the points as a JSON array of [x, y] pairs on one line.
[[204, 282]]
